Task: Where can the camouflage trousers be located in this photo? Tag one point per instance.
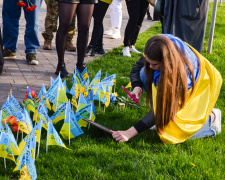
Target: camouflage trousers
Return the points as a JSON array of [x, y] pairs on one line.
[[51, 20]]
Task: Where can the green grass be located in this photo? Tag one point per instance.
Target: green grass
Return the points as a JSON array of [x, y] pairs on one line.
[[96, 155]]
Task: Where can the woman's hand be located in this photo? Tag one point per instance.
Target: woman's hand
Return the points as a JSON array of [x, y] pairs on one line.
[[137, 92], [123, 136]]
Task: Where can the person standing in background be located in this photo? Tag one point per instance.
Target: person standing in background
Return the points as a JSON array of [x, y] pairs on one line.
[[96, 43], [186, 20], [11, 13], [66, 9], [116, 19], [51, 20], [149, 17], [136, 10]]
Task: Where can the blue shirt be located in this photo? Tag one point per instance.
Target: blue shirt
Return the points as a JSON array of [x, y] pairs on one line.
[[189, 54]]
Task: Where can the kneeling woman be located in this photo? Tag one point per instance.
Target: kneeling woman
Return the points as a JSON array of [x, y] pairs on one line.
[[182, 87]]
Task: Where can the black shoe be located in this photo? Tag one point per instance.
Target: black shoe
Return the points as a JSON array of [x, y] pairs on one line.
[[8, 54], [90, 51], [149, 17], [62, 69], [99, 50], [81, 68]]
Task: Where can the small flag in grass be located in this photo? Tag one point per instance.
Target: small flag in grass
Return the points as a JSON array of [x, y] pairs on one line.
[[59, 114], [53, 136], [128, 85], [26, 165], [30, 102], [5, 147], [70, 126]]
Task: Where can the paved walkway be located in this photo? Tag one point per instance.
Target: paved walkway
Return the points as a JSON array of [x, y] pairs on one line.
[[17, 74]]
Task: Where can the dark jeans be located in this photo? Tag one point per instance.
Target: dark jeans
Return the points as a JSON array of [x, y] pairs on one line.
[[136, 11], [1, 56], [98, 15]]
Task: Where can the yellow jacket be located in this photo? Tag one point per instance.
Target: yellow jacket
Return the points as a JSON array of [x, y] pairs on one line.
[[199, 105]]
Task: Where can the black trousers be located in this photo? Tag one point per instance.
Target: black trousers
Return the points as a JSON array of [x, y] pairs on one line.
[[136, 11], [98, 15], [1, 56]]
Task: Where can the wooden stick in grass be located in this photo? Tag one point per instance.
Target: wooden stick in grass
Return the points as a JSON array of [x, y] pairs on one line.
[[17, 134], [90, 117], [10, 93], [47, 139], [5, 163], [58, 93], [69, 128], [36, 118], [34, 148], [99, 95], [39, 140]]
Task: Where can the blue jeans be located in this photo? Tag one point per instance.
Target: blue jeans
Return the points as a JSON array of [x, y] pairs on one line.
[[205, 131], [11, 15]]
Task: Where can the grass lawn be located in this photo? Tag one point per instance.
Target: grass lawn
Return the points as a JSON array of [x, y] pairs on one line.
[[96, 155]]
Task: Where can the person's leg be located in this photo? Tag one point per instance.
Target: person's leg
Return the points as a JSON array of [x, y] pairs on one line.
[[84, 14], [31, 38], [148, 13], [50, 22], [205, 131], [117, 18], [10, 15], [132, 7], [142, 12], [111, 13], [66, 13], [71, 35], [97, 33]]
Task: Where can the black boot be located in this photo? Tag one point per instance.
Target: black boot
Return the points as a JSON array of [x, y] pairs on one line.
[[149, 17], [80, 68], [62, 69], [90, 51], [99, 50]]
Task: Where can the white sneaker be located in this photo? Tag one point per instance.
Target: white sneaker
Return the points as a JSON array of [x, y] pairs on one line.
[[115, 34], [132, 49], [34, 62], [153, 127], [216, 124], [126, 52], [110, 31]]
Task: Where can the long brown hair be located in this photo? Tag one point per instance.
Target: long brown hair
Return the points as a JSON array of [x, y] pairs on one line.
[[172, 84]]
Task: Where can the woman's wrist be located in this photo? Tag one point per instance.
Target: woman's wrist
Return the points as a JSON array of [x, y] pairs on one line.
[[131, 132]]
